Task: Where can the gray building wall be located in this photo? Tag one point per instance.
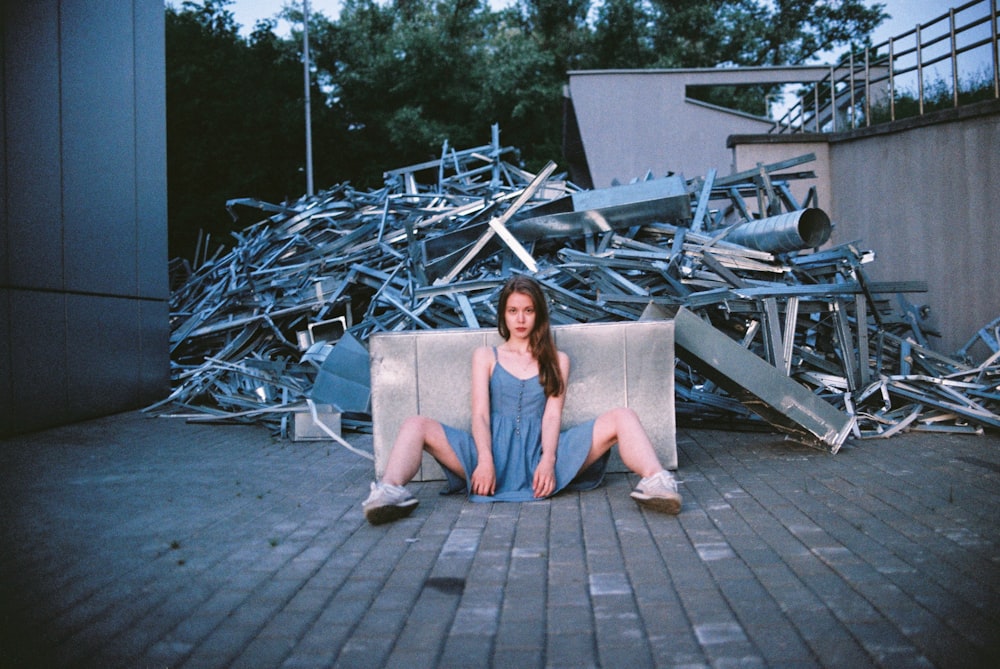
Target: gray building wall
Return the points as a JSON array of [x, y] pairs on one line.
[[637, 121], [83, 247], [925, 195], [921, 193]]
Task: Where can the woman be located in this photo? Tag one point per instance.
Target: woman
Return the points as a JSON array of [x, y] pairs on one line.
[[516, 451]]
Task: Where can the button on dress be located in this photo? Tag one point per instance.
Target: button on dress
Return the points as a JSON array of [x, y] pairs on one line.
[[516, 407]]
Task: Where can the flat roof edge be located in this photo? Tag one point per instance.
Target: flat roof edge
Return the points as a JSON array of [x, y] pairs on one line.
[[714, 70]]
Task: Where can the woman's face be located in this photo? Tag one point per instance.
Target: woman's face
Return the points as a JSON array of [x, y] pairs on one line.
[[519, 315]]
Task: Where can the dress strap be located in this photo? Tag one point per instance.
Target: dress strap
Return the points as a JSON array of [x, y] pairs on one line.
[[496, 356]]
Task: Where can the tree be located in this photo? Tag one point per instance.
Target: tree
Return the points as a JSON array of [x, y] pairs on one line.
[[408, 77], [235, 120], [396, 79], [750, 33], [747, 33], [622, 37], [795, 32]]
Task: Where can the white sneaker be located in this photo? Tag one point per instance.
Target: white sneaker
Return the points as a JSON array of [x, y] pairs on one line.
[[658, 492], [388, 502]]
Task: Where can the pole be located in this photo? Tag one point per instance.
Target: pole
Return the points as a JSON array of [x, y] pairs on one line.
[[305, 58]]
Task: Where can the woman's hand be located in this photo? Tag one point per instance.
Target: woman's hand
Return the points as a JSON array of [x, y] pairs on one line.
[[484, 478], [544, 482]]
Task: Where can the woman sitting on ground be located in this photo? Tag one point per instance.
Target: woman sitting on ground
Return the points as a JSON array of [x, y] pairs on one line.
[[516, 451]]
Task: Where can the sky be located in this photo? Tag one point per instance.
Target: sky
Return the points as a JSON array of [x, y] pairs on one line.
[[905, 13]]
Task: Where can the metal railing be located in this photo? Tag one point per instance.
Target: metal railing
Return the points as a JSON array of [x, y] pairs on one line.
[[868, 87]]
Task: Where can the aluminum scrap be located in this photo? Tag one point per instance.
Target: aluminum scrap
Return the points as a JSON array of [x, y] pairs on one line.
[[431, 248]]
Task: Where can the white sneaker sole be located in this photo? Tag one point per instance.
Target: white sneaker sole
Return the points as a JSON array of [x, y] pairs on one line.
[[378, 515], [670, 505]]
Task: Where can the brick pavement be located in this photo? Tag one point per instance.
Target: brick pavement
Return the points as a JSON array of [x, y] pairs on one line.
[[138, 542]]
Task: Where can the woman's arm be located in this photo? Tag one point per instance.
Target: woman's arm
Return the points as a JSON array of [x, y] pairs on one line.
[[544, 480], [483, 477]]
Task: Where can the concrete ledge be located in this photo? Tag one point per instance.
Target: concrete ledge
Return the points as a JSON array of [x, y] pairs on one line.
[[612, 364]]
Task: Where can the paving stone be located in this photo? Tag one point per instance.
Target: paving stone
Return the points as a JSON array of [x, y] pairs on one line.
[[517, 657], [465, 650], [571, 650], [520, 635], [129, 542]]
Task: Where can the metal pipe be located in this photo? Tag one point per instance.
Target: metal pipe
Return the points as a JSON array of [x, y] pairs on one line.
[[954, 57], [308, 101], [892, 82], [996, 50], [833, 98], [854, 110], [816, 104], [802, 229], [920, 73], [868, 89]]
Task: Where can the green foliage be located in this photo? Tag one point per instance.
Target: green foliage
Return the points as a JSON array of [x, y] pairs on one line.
[[621, 38], [234, 120], [748, 33], [394, 79], [750, 99], [938, 95], [408, 77]]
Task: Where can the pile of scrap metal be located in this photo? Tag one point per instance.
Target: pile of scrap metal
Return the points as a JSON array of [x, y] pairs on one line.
[[772, 332]]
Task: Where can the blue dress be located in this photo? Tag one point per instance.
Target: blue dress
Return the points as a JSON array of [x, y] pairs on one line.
[[516, 407]]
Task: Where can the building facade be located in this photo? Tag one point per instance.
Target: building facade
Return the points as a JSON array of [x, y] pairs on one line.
[[84, 291]]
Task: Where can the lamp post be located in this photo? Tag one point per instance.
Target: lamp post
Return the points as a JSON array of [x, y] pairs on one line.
[[305, 58]]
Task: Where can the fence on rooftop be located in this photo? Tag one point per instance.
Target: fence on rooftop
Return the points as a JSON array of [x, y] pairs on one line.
[[901, 77]]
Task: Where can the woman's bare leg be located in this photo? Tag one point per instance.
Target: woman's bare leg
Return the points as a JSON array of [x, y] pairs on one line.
[[622, 426], [416, 434], [657, 489]]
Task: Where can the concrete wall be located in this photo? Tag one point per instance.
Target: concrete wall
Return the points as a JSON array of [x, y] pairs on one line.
[[635, 121], [613, 364], [922, 193], [925, 195], [83, 244]]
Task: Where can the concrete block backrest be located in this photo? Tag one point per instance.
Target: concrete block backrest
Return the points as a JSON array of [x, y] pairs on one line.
[[427, 372]]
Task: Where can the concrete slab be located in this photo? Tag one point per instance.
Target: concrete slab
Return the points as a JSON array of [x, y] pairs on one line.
[[611, 364]]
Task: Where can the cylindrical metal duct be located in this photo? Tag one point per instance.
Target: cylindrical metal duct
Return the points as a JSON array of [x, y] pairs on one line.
[[802, 229]]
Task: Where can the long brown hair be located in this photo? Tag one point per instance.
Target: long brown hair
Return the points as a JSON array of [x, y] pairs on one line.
[[540, 341]]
